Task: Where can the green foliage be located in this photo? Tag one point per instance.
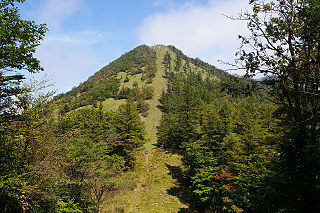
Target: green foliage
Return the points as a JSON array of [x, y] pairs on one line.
[[139, 95], [240, 87], [135, 84], [104, 84], [130, 133], [136, 59], [284, 46], [242, 140], [69, 163], [178, 64], [136, 93], [228, 142], [211, 70], [143, 107], [66, 204], [18, 41], [167, 61], [93, 93], [149, 81], [99, 146], [126, 79], [25, 144], [22, 115]]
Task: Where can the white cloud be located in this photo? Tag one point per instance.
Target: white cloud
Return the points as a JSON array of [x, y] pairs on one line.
[[68, 64], [83, 38], [72, 51], [69, 58], [55, 12], [164, 3], [198, 30]]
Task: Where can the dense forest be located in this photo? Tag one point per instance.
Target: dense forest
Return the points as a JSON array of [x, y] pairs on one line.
[[106, 82], [245, 145], [229, 141]]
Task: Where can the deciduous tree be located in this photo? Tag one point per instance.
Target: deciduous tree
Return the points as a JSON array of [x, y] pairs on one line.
[[285, 46], [18, 41]]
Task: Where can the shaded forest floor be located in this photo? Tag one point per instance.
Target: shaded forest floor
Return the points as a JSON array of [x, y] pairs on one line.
[[157, 184]]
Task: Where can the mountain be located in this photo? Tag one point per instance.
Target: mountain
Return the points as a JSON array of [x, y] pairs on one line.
[[141, 75], [186, 106], [153, 131], [137, 74]]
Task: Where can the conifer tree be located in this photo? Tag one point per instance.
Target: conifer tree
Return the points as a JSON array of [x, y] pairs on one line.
[[285, 46], [130, 132]]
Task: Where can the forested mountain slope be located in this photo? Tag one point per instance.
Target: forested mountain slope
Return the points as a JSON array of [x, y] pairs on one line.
[[157, 131], [141, 76], [132, 77], [153, 131], [164, 83]]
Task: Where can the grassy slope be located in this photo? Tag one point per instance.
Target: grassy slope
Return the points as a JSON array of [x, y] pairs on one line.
[[151, 186], [154, 113], [154, 194]]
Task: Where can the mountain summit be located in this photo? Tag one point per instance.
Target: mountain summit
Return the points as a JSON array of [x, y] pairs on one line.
[[138, 74], [143, 76]]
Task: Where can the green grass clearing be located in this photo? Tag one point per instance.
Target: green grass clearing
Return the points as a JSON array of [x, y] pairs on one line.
[[112, 104]]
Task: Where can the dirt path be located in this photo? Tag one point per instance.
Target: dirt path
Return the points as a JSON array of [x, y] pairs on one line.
[[158, 190], [135, 197], [161, 191], [154, 113], [139, 186], [153, 186], [148, 171]]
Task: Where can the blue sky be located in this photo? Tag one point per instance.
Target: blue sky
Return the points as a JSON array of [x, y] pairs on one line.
[[85, 35]]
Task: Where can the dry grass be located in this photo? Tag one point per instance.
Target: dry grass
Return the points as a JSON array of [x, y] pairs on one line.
[[132, 79], [127, 189], [112, 104], [162, 197], [150, 187], [154, 113]]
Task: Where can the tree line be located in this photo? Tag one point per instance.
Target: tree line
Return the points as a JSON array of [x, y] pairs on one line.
[[247, 150], [52, 161], [229, 143], [247, 146]]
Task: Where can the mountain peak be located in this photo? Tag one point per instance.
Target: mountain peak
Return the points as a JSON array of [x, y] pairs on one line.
[[133, 72]]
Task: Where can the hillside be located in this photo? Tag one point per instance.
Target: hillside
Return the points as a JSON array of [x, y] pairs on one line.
[[133, 75], [141, 75], [156, 130], [153, 131], [176, 98]]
